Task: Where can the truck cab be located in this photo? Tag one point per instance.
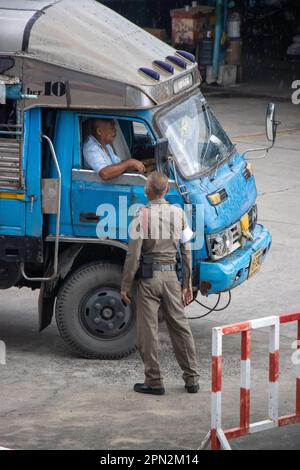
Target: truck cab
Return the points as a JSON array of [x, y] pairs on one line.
[[63, 230]]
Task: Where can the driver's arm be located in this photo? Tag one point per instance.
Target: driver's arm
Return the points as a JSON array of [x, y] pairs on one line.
[[114, 171], [97, 162]]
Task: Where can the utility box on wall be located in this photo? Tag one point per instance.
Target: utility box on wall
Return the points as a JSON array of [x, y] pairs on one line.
[[188, 25]]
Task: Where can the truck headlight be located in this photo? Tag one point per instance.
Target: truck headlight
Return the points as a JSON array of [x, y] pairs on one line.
[[220, 244], [223, 243]]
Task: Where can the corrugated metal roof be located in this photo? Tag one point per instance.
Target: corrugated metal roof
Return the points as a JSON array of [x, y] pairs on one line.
[[81, 35]]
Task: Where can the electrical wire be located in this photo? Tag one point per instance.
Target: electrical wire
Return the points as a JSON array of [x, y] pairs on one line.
[[213, 309]]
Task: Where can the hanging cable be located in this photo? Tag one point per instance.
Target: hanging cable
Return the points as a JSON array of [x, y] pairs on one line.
[[213, 309]]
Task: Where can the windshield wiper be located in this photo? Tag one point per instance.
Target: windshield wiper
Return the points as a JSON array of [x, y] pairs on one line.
[[220, 159]]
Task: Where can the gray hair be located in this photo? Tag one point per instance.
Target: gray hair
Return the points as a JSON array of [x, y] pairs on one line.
[[158, 183]]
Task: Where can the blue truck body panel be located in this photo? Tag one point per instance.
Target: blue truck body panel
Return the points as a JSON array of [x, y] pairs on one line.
[[33, 173], [12, 217]]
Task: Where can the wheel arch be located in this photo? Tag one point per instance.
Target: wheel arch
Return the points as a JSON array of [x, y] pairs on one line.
[[109, 250]]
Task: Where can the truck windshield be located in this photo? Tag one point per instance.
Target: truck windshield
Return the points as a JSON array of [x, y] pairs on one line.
[[196, 138]]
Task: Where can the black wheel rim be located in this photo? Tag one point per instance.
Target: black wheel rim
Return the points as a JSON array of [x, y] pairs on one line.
[[104, 315]]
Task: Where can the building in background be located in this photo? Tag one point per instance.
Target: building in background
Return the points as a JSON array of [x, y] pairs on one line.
[[243, 39]]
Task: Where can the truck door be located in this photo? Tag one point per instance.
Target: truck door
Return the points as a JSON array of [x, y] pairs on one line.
[[92, 197]]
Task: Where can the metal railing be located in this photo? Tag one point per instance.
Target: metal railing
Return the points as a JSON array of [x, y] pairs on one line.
[[58, 214]]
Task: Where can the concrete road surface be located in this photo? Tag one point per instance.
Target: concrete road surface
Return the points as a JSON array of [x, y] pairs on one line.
[[51, 399]]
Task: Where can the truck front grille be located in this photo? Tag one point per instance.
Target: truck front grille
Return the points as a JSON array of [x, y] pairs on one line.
[[236, 235]]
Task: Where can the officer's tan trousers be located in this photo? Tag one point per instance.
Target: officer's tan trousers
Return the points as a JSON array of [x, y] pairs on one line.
[[164, 289]]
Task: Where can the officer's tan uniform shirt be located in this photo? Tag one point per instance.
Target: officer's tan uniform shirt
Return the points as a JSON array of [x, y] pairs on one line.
[[158, 230]]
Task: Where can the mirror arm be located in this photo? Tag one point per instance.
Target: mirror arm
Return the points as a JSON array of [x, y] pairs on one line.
[[181, 187], [277, 123], [262, 149]]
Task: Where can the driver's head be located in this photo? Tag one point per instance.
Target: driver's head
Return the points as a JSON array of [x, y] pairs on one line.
[[157, 185], [104, 130]]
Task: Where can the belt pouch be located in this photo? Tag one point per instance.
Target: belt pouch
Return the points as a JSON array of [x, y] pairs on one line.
[[147, 266]]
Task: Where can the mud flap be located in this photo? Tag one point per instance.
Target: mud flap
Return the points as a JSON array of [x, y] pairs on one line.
[[46, 306], [49, 289]]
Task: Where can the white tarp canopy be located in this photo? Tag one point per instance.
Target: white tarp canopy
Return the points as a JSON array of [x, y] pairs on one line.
[[79, 53]]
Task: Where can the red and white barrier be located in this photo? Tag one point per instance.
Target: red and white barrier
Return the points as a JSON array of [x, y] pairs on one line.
[[293, 418], [217, 436]]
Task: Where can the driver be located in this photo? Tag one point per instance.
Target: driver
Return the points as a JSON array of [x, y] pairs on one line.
[[99, 155]]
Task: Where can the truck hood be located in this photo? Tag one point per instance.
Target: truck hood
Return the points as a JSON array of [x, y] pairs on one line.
[[240, 195]]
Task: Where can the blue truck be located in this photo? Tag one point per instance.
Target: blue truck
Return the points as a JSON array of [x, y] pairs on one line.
[[63, 64]]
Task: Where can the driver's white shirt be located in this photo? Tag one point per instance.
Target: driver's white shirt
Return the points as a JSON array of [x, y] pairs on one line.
[[95, 157]]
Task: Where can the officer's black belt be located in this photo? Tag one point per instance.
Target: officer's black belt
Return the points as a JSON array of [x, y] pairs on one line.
[[164, 267]]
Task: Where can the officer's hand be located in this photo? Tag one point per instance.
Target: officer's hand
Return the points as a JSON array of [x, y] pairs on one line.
[[187, 296], [125, 297], [136, 165]]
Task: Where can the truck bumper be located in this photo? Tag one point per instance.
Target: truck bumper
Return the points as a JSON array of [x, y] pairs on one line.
[[230, 272]]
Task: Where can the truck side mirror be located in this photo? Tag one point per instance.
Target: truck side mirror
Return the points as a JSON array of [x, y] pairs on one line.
[[271, 123], [271, 131], [161, 156]]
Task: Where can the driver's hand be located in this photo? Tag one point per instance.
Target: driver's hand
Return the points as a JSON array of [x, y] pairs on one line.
[[136, 165]]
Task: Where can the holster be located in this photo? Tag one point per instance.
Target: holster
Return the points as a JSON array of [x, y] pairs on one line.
[[145, 270], [179, 268]]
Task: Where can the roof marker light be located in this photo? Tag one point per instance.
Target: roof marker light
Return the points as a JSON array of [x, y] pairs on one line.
[[177, 61], [187, 56], [150, 73], [164, 66]]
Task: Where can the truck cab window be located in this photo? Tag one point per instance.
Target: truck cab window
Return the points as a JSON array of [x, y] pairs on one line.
[[120, 146], [143, 148]]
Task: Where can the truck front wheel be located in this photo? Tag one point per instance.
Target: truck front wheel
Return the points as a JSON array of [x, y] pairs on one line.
[[91, 316]]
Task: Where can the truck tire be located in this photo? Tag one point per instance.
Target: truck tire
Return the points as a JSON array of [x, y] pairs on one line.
[[91, 316]]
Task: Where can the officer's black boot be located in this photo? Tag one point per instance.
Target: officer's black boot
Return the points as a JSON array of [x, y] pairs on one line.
[[142, 388], [193, 388]]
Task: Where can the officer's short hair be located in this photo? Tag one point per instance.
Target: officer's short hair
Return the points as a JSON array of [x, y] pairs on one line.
[[158, 183]]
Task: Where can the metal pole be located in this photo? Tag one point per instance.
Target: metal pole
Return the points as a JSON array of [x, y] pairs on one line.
[[218, 35]]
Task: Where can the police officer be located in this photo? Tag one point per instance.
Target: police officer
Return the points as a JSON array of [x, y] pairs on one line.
[[158, 231]]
